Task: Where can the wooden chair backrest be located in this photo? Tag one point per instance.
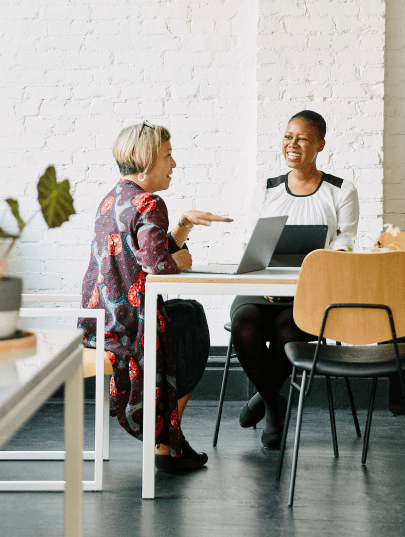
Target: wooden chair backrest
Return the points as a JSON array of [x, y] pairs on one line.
[[394, 243], [329, 277]]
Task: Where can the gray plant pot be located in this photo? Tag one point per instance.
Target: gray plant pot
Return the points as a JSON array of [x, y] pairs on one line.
[[10, 302]]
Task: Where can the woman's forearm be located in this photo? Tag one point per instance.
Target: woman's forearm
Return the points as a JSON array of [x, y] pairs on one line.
[[181, 231]]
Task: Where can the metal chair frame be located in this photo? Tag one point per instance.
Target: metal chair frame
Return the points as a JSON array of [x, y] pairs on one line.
[[223, 387], [304, 389], [229, 355]]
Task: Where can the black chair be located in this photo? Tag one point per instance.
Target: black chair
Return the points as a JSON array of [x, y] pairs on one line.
[[359, 300], [229, 356]]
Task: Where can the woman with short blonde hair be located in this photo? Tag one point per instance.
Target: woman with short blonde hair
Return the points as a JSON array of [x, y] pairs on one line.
[[136, 148], [131, 239]]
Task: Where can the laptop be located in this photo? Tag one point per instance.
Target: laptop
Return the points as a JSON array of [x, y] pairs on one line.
[[296, 242], [259, 249]]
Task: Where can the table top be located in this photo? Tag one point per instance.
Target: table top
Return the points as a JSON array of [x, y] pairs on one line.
[[19, 376], [274, 275]]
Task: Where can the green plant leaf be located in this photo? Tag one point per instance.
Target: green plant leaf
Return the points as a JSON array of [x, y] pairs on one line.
[[14, 209], [5, 235], [55, 199]]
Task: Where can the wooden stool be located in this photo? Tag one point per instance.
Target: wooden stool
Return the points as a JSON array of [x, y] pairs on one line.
[[89, 370], [89, 363]]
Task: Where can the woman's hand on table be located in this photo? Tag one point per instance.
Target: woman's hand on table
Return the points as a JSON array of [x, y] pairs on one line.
[[183, 259], [202, 218]]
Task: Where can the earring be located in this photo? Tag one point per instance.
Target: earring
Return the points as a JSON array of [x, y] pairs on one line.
[[143, 178]]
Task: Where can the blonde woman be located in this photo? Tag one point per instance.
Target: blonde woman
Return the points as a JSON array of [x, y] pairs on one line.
[[131, 239]]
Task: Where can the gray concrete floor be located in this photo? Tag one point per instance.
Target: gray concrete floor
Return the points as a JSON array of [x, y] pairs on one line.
[[236, 495]]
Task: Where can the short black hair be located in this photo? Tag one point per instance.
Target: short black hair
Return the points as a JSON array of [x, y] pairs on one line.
[[314, 119]]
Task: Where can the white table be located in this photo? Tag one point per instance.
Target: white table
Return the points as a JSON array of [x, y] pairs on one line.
[[25, 385], [271, 281]]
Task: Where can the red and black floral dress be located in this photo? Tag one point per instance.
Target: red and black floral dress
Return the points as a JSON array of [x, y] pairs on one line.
[[130, 240]]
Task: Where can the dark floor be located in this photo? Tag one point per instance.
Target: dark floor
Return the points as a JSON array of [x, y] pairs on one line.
[[236, 495]]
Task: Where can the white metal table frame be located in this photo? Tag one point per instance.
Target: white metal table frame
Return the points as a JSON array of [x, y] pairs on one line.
[[273, 282], [66, 367], [101, 440]]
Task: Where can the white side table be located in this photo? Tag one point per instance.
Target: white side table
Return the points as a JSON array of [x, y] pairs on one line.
[[26, 384]]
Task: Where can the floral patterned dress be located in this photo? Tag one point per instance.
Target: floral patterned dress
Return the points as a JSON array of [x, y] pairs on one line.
[[130, 240]]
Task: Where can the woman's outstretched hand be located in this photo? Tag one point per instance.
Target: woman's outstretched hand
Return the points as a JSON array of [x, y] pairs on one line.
[[202, 218]]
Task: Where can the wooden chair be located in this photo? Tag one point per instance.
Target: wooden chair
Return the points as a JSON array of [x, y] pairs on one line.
[[356, 299]]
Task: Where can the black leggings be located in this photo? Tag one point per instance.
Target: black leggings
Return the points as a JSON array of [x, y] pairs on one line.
[[254, 324]]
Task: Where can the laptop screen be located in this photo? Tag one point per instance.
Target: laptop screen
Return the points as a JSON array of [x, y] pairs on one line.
[[296, 242]]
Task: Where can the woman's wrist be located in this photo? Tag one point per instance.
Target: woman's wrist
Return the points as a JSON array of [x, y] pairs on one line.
[[178, 240], [183, 222], [181, 231]]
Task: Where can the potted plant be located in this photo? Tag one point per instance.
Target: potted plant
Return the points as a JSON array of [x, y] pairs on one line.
[[56, 205]]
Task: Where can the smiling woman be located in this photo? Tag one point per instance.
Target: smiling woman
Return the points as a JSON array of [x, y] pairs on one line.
[[301, 144], [131, 239], [307, 196]]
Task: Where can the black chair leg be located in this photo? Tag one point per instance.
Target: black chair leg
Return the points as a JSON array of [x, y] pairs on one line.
[[286, 424], [369, 418], [354, 413], [297, 439], [332, 416], [222, 395]]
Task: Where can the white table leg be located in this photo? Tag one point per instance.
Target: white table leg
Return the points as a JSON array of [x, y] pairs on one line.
[[73, 447], [106, 418], [149, 394]]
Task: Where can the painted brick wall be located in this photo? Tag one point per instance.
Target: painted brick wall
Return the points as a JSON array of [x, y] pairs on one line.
[[326, 56], [75, 73], [394, 131]]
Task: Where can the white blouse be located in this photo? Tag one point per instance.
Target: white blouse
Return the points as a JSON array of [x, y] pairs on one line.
[[334, 203]]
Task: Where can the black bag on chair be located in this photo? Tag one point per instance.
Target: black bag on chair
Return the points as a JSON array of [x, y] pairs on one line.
[[192, 340]]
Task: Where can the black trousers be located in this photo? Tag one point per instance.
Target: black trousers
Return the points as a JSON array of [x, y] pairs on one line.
[[256, 321]]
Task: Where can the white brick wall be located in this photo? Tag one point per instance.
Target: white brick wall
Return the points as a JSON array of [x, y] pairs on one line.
[[223, 76], [328, 57], [75, 73], [394, 133]]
